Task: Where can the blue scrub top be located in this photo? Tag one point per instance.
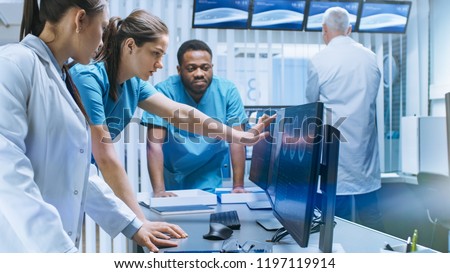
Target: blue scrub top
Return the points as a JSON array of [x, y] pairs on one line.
[[192, 161], [93, 84]]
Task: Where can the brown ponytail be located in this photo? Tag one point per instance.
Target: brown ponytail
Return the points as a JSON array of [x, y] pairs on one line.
[[30, 19], [112, 40], [74, 91]]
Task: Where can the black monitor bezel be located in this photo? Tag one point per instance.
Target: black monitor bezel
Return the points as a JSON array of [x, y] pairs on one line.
[[277, 28], [300, 230], [249, 11], [330, 1], [361, 9]]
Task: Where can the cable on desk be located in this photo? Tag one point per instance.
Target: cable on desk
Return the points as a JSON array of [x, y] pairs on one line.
[[279, 234]]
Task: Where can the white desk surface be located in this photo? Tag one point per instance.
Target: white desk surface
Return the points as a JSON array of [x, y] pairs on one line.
[[348, 237]]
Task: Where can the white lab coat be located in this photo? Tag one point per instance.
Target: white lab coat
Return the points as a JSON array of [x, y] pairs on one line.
[[346, 78], [45, 158]]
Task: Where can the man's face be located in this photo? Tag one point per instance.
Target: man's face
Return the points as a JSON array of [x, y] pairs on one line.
[[196, 72]]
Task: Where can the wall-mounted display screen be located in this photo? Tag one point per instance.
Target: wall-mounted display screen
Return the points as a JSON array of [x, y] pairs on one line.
[[221, 14], [384, 16], [318, 8], [278, 14]]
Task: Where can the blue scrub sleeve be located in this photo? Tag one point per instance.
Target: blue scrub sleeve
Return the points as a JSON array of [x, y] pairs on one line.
[[90, 88], [235, 108], [146, 90]]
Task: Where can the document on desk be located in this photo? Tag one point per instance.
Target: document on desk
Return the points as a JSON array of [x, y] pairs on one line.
[[170, 210], [183, 198], [225, 195]]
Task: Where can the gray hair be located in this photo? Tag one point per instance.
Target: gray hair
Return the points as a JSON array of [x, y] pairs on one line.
[[337, 19]]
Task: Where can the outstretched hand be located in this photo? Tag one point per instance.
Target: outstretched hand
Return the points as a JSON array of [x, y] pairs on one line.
[[256, 133], [153, 234]]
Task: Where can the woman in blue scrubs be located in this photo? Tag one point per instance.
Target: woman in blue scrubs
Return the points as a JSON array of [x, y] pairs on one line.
[[116, 84]]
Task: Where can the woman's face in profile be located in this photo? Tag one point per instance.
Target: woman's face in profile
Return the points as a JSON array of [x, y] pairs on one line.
[[148, 58]]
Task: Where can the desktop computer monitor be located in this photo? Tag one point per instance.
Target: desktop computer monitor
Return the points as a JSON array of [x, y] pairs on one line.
[[262, 162], [261, 154], [296, 168]]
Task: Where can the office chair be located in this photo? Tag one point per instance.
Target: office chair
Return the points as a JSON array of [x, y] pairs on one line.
[[434, 190]]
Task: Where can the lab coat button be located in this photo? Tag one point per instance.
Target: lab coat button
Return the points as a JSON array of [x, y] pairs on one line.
[[75, 192], [69, 233], [81, 150]]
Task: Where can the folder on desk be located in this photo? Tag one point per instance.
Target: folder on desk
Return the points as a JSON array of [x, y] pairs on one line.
[[225, 195], [188, 209]]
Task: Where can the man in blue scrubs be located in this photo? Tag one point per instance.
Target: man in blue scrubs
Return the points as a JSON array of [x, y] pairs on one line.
[[182, 160]]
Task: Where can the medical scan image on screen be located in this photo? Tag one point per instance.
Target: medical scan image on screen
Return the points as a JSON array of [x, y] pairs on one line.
[[296, 174]]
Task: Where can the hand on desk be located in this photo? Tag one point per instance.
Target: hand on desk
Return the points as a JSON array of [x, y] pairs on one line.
[[164, 194], [153, 234], [239, 189]]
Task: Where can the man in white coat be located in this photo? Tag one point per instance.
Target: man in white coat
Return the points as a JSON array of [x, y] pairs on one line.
[[346, 78]]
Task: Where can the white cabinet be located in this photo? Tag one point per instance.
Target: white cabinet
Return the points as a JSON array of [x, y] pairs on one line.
[[424, 145]]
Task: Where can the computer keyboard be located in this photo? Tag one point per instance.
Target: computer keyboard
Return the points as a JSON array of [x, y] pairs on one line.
[[228, 218]]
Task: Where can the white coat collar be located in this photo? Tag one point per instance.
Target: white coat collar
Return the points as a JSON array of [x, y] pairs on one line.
[[44, 53], [42, 50], [339, 40]]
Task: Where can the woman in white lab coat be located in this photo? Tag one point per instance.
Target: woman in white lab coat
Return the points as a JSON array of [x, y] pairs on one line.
[[44, 137]]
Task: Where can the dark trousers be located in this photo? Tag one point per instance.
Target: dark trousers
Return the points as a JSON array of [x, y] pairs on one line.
[[364, 206]]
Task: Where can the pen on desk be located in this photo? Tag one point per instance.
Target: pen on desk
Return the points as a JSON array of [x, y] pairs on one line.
[[414, 241], [408, 244], [145, 205]]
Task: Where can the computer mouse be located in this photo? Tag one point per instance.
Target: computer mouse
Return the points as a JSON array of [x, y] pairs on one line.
[[218, 231]]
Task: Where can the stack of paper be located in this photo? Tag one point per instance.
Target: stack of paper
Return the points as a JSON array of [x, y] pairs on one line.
[[185, 209], [254, 194], [184, 197]]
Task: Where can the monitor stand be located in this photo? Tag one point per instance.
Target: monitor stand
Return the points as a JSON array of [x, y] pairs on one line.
[[328, 180], [269, 224]]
